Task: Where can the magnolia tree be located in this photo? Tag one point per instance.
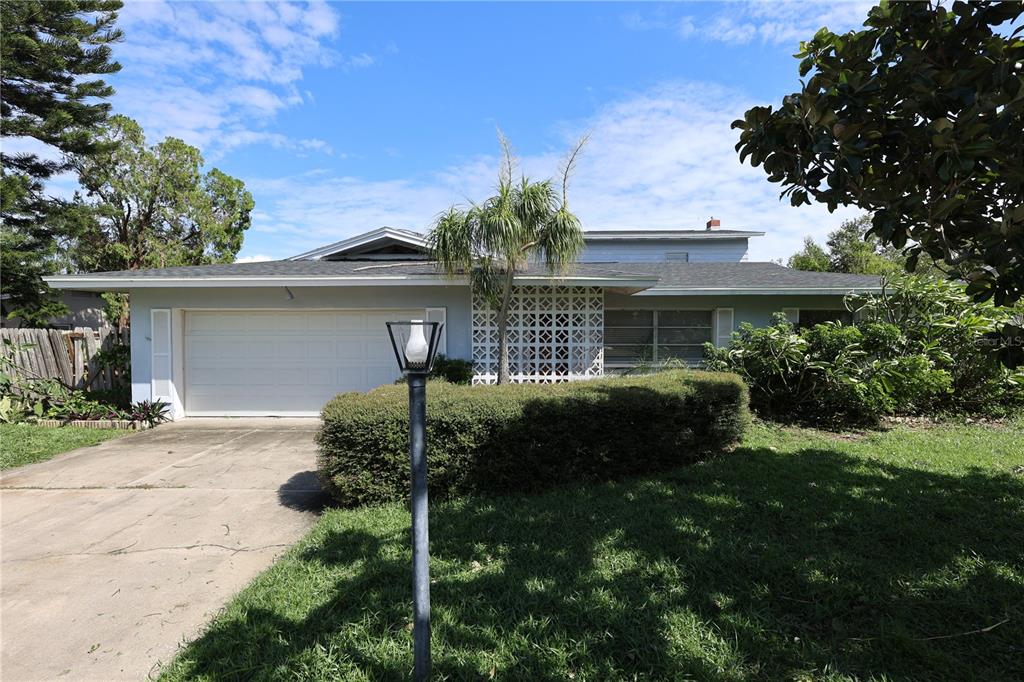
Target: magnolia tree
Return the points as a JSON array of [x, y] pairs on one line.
[[523, 222], [919, 120]]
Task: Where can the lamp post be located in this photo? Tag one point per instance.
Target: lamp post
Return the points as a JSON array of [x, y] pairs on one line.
[[415, 345]]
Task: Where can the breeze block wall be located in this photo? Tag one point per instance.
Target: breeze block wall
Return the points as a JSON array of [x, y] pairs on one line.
[[555, 334]]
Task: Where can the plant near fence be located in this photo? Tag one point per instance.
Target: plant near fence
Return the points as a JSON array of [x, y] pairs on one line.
[[25, 395], [500, 439], [89, 359]]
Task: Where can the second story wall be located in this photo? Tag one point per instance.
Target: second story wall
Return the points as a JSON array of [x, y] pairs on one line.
[[658, 250]]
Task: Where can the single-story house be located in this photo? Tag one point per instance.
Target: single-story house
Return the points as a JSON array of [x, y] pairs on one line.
[[282, 337]]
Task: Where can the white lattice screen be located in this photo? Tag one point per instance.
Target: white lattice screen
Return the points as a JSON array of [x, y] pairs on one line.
[[554, 334]]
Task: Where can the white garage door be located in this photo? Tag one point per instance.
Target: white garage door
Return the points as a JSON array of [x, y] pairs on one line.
[[285, 363]]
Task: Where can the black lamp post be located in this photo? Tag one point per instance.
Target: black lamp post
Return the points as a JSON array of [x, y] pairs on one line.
[[415, 345]]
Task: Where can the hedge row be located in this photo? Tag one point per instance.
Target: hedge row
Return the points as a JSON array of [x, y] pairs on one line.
[[495, 439]]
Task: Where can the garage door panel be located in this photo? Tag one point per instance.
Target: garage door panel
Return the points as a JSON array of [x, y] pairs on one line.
[[292, 376], [378, 376], [215, 323], [287, 362], [261, 349], [319, 378], [320, 349], [350, 378], [324, 324], [350, 349], [377, 319]]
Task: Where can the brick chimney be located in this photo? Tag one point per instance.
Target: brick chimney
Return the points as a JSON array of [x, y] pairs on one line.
[[714, 223]]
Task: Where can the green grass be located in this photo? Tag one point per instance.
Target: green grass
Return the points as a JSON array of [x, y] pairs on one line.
[[27, 443], [803, 555]]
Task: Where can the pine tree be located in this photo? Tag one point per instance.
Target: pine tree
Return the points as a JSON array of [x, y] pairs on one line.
[[49, 51]]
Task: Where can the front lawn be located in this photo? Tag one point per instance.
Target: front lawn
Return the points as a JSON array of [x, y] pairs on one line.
[[803, 555], [27, 443]]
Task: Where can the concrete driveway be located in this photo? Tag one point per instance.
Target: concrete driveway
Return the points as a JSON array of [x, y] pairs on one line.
[[111, 556]]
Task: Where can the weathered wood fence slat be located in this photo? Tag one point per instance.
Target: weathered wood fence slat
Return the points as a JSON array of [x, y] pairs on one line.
[[68, 356]]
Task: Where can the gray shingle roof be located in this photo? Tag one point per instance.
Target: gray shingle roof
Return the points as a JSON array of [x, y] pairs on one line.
[[668, 275], [742, 276]]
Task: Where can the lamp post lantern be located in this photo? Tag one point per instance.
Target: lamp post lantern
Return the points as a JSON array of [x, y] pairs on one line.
[[415, 345]]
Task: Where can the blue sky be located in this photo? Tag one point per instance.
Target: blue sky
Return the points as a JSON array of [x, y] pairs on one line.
[[341, 118]]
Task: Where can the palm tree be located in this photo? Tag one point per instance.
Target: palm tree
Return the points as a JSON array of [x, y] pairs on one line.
[[523, 222]]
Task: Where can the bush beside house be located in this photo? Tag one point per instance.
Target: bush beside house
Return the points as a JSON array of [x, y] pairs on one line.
[[451, 370], [923, 348], [496, 439]]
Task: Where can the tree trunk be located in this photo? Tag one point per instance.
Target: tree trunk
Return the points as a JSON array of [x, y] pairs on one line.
[[506, 296]]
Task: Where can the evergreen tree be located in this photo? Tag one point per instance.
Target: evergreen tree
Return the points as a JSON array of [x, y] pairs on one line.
[[49, 53]]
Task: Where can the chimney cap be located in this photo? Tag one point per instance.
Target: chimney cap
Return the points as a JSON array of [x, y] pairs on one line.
[[713, 223]]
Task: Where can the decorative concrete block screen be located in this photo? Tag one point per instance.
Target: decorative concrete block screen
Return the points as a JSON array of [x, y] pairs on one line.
[[555, 334]]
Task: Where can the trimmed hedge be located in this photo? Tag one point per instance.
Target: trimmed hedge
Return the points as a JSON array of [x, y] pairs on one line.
[[496, 439]]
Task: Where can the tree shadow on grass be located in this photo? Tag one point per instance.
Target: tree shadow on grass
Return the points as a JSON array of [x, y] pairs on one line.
[[759, 565]]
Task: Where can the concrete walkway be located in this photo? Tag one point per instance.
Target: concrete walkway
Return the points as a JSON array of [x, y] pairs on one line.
[[111, 556]]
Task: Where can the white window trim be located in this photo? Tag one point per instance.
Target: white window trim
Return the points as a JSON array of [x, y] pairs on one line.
[[440, 315], [792, 314], [724, 320]]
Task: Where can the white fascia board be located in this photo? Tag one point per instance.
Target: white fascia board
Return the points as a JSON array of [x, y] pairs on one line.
[[362, 240], [126, 283], [758, 291], [86, 283]]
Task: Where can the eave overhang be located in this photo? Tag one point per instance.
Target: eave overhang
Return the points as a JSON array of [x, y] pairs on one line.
[[757, 291], [100, 283]]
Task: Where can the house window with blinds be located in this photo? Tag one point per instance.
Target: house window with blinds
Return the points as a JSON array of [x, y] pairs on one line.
[[635, 337]]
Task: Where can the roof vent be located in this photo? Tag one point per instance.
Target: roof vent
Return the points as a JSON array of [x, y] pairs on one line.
[[714, 223]]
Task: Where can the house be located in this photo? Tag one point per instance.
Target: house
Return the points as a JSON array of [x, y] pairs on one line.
[[85, 309], [282, 337]]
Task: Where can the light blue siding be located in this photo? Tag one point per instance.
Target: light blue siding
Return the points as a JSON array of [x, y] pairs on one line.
[[657, 250]]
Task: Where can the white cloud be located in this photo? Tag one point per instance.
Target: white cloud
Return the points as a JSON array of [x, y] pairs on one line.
[[777, 22], [301, 147], [359, 61], [661, 159], [258, 258], [216, 74]]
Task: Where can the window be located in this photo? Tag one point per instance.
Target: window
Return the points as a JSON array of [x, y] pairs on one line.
[[809, 318], [637, 336]]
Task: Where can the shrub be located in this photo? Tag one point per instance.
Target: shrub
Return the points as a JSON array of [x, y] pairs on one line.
[[495, 439], [919, 349], [939, 320], [452, 370], [26, 396]]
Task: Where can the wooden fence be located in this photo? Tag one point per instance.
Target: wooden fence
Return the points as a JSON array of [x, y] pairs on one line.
[[69, 356]]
